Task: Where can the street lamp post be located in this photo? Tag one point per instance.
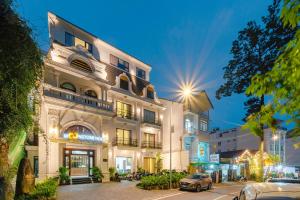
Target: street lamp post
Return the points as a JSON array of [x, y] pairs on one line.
[[275, 137], [186, 92]]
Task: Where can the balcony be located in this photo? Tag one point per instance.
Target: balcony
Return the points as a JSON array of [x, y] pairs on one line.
[[126, 114], [76, 98], [151, 145], [156, 123], [125, 142]]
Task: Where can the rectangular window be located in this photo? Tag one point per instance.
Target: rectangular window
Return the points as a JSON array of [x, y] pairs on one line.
[[140, 73], [203, 125], [219, 143], [149, 116], [124, 110], [122, 64], [71, 40], [36, 166], [123, 136], [123, 164]]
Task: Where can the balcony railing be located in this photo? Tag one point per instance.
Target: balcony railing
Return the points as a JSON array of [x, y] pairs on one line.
[[125, 142], [126, 114], [151, 145], [76, 98], [151, 121]]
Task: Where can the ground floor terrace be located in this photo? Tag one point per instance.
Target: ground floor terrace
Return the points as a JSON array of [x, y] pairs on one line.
[[126, 190]]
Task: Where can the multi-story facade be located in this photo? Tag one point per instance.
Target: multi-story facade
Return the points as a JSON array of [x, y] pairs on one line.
[[237, 139], [186, 132], [98, 107]]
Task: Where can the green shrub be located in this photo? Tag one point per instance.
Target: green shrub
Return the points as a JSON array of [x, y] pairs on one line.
[[97, 173], [45, 190], [112, 171], [63, 175], [160, 181]]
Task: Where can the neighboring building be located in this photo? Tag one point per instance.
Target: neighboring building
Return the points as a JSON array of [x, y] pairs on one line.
[[292, 148], [237, 140], [98, 107], [189, 135]]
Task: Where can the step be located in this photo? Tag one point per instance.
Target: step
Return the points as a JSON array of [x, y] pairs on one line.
[[83, 180]]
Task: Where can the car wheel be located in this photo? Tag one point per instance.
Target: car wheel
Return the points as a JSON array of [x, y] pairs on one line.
[[209, 186], [198, 188]]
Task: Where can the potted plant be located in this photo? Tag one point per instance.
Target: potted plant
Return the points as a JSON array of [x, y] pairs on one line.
[[112, 172], [97, 173], [64, 176]]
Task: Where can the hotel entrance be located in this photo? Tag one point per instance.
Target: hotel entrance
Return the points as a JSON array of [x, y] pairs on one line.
[[79, 162]]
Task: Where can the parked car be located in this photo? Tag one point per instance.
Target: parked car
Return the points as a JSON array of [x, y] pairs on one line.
[[196, 182], [269, 191], [283, 180]]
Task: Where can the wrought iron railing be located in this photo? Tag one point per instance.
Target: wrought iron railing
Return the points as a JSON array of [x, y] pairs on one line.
[[151, 145], [119, 141], [77, 98], [151, 121]]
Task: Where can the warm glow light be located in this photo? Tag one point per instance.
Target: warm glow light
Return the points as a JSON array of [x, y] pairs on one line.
[[53, 131], [275, 137], [187, 92]]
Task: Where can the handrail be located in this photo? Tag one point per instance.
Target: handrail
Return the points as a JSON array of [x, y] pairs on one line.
[[151, 144], [76, 98], [119, 141]]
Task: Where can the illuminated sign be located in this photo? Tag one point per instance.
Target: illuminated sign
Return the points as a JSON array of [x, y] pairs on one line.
[[214, 158], [81, 133], [203, 152]]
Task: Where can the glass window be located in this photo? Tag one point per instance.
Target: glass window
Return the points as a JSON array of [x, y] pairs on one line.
[[124, 84], [123, 164], [69, 39], [203, 125], [140, 73], [150, 93], [188, 125], [219, 143], [122, 64], [36, 166], [123, 136], [149, 116], [123, 110], [91, 93], [68, 86]]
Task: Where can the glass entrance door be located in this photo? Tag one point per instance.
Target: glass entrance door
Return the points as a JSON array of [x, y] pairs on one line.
[[79, 162], [79, 165]]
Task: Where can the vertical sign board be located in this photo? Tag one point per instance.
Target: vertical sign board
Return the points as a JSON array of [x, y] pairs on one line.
[[203, 152]]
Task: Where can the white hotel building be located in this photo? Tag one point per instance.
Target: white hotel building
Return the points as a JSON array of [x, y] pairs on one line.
[[98, 108]]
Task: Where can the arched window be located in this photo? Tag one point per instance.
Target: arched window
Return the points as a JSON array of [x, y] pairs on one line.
[[79, 64], [91, 93], [150, 92], [124, 83], [68, 86]]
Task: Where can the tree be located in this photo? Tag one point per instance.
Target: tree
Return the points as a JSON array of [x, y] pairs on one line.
[[254, 52], [20, 71], [282, 82]]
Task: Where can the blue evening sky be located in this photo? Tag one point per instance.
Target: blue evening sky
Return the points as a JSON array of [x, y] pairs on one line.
[[180, 39]]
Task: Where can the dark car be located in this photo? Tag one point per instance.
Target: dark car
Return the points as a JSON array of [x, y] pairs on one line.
[[283, 180], [196, 182]]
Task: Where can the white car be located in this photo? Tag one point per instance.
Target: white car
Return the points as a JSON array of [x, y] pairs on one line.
[[269, 191]]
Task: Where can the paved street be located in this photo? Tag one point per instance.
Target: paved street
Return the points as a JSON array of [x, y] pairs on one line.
[[127, 191]]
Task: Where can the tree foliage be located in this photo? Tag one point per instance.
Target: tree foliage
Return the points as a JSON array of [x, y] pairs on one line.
[[20, 70], [282, 82], [254, 52]]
